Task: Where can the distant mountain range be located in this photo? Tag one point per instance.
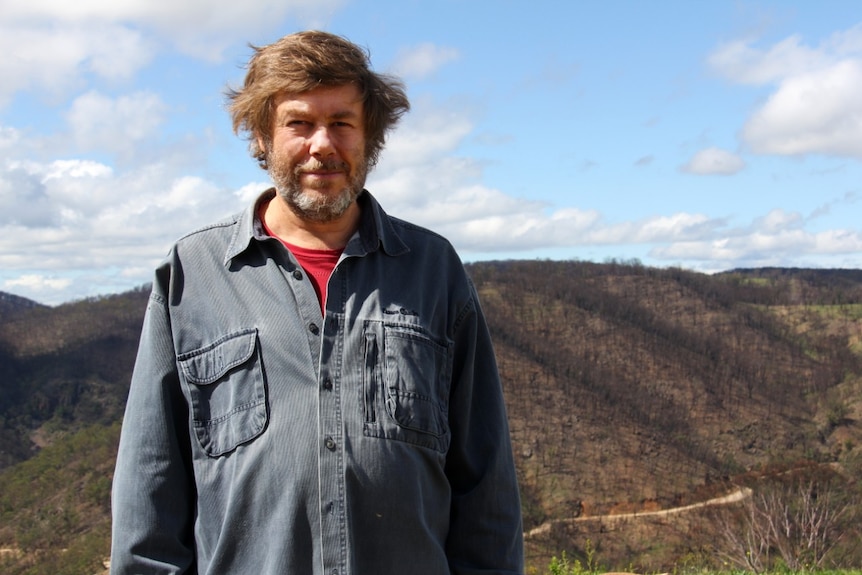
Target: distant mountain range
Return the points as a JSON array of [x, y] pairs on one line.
[[631, 390]]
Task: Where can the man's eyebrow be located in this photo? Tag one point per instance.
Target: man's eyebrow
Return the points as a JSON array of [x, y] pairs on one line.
[[298, 112], [344, 115]]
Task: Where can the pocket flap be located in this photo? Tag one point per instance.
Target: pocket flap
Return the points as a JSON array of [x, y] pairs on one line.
[[207, 364]]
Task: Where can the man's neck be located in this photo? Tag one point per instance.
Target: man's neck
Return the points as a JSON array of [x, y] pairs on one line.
[[291, 228]]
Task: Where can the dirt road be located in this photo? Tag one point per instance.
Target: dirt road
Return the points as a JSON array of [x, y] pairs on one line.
[[736, 496]]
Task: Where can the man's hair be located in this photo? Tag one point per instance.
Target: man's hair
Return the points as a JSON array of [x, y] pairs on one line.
[[306, 60]]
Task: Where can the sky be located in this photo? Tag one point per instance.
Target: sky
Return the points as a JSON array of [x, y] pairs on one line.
[[708, 135]]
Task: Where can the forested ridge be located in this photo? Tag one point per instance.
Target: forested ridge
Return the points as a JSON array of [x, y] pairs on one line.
[[629, 389]]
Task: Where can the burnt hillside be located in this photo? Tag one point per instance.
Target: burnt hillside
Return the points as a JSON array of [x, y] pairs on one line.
[[633, 388]]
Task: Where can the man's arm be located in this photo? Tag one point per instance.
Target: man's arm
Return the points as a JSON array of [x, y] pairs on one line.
[[486, 534], [153, 499]]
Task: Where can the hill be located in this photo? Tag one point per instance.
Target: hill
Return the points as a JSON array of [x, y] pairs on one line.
[[635, 395], [64, 368], [638, 389], [10, 304]]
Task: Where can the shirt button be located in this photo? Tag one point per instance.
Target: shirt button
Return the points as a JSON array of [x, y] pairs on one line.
[[327, 384], [329, 443], [297, 274], [313, 328]]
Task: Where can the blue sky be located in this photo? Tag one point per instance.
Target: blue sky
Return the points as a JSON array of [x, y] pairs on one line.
[[703, 134]]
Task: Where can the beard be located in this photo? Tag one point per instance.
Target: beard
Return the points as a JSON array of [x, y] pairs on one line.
[[316, 202]]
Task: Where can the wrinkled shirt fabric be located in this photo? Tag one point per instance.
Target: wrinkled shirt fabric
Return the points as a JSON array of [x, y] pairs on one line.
[[262, 436]]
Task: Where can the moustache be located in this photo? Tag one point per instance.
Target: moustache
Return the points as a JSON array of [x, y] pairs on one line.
[[323, 166]]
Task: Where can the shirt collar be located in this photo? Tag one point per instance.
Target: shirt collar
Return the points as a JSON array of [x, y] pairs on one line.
[[375, 229]]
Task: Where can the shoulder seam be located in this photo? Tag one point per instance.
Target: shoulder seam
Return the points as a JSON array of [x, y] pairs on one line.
[[226, 223]]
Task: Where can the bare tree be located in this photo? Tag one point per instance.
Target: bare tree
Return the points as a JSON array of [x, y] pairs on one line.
[[807, 521], [743, 536], [799, 520]]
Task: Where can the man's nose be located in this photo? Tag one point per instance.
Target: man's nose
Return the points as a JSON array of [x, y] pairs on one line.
[[321, 143]]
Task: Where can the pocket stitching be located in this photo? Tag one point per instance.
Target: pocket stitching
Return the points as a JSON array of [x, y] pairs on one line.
[[250, 339], [215, 435], [434, 405]]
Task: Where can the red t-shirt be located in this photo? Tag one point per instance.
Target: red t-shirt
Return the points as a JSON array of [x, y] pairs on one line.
[[318, 265]]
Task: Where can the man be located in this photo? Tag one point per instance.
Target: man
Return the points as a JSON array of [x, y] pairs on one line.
[[315, 390]]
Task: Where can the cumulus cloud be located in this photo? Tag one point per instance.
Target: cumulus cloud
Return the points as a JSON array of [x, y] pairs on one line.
[[81, 217], [117, 124], [815, 112], [52, 44], [814, 107], [57, 58], [423, 60], [777, 239], [37, 282], [201, 28], [714, 161]]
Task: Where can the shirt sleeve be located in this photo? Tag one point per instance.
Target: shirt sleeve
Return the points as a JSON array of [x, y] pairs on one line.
[[486, 533], [153, 495]]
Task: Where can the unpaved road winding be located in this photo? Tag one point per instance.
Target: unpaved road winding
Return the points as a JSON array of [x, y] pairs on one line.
[[736, 496]]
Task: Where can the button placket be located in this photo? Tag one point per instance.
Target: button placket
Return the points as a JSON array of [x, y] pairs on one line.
[[331, 455]]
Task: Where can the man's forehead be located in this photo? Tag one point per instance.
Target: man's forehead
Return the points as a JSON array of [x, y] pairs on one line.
[[343, 99]]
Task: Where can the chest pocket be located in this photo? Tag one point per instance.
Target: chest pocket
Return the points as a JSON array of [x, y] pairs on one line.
[[406, 383], [227, 391]]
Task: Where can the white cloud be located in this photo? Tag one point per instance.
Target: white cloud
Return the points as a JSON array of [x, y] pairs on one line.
[[87, 217], [119, 125], [427, 134], [815, 107], [744, 64], [50, 45], [777, 221], [54, 59], [423, 60], [777, 239], [815, 112], [714, 161], [37, 283], [200, 28], [246, 194]]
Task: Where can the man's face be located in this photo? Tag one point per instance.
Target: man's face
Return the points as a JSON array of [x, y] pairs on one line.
[[316, 155]]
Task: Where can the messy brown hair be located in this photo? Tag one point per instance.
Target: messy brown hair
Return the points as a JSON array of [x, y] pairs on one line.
[[306, 60]]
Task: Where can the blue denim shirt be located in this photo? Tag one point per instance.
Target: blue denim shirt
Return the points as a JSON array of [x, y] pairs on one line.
[[264, 437]]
